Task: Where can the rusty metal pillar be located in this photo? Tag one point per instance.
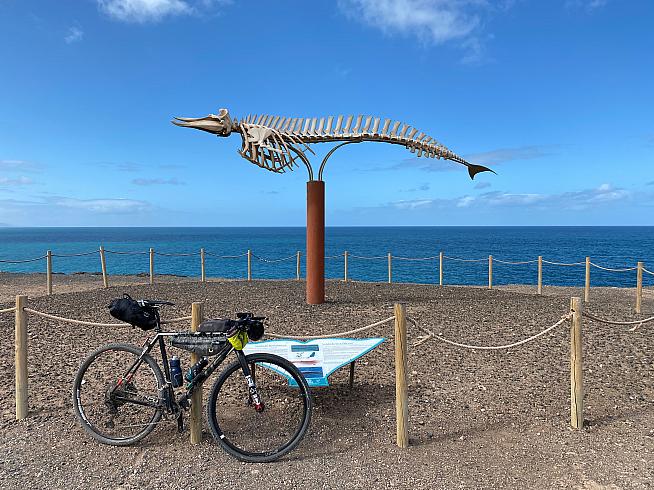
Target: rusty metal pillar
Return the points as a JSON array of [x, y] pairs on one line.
[[315, 242]]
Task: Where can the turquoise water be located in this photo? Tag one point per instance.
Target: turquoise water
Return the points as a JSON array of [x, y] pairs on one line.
[[616, 247]]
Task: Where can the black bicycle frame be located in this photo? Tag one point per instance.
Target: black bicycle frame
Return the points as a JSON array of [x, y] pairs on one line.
[[200, 378]]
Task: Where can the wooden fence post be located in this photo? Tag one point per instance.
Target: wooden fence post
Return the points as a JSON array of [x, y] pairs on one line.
[[540, 274], [490, 272], [401, 391], [249, 265], [21, 358], [639, 287], [195, 426], [48, 271], [390, 268], [103, 264], [345, 266], [440, 269], [203, 275], [297, 268], [587, 285], [151, 266], [576, 371]]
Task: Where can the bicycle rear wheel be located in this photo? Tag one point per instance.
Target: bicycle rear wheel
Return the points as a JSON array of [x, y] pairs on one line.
[[260, 436], [115, 408]]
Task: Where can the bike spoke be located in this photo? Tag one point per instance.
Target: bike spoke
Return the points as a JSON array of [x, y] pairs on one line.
[[112, 406], [264, 429]]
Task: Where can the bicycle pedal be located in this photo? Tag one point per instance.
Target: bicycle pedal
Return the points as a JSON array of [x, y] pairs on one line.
[[184, 402]]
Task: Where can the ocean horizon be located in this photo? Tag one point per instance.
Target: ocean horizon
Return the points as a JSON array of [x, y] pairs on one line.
[[274, 250]]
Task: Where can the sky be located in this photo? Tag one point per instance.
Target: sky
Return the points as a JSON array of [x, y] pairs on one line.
[[557, 97]]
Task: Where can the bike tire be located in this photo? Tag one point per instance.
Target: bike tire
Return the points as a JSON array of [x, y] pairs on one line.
[[80, 413], [227, 440]]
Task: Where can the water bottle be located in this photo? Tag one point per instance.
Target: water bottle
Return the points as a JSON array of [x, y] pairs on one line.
[[196, 369], [176, 372]]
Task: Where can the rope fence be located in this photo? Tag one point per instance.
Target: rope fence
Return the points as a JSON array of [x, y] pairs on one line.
[[440, 270], [400, 319], [637, 323], [272, 261], [431, 335], [626, 269], [563, 263], [120, 252], [24, 261], [515, 263], [459, 259], [81, 254], [330, 335]]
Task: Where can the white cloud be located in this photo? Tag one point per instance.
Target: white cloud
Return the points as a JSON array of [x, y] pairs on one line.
[[73, 35], [586, 4], [22, 165], [121, 206], [465, 202], [124, 166], [603, 195], [144, 10], [144, 182], [433, 20], [417, 203], [6, 181], [502, 155]]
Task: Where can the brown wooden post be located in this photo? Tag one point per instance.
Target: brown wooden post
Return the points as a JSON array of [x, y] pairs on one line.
[[315, 256], [639, 287], [151, 266], [587, 285], [197, 315], [249, 264], [440, 269], [103, 264], [345, 266], [390, 268], [540, 274], [203, 275], [48, 271], [490, 272], [576, 371], [401, 390], [297, 267], [21, 358]]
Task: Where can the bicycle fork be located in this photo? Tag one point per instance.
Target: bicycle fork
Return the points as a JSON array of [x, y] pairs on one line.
[[253, 396]]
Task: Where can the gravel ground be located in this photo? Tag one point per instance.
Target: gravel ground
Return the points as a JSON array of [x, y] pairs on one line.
[[477, 419]]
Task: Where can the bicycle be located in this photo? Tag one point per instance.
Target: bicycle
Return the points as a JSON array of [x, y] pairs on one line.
[[120, 392]]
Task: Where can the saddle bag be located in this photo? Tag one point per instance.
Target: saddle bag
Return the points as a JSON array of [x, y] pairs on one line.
[[129, 311]]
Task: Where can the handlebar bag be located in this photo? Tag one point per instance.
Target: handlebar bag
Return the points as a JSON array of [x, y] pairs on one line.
[[230, 328], [255, 330], [219, 325], [129, 311]]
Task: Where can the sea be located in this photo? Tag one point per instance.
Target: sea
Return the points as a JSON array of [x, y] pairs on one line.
[[415, 252]]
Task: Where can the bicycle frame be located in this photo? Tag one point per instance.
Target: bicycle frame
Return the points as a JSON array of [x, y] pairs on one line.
[[170, 403]]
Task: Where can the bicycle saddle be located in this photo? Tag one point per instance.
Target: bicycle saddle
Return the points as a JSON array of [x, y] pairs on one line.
[[154, 303]]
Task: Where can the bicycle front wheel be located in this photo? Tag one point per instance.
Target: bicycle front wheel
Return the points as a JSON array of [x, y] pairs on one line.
[[114, 406], [267, 432]]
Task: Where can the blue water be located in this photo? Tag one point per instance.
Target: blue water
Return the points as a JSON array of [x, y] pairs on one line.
[[616, 247]]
